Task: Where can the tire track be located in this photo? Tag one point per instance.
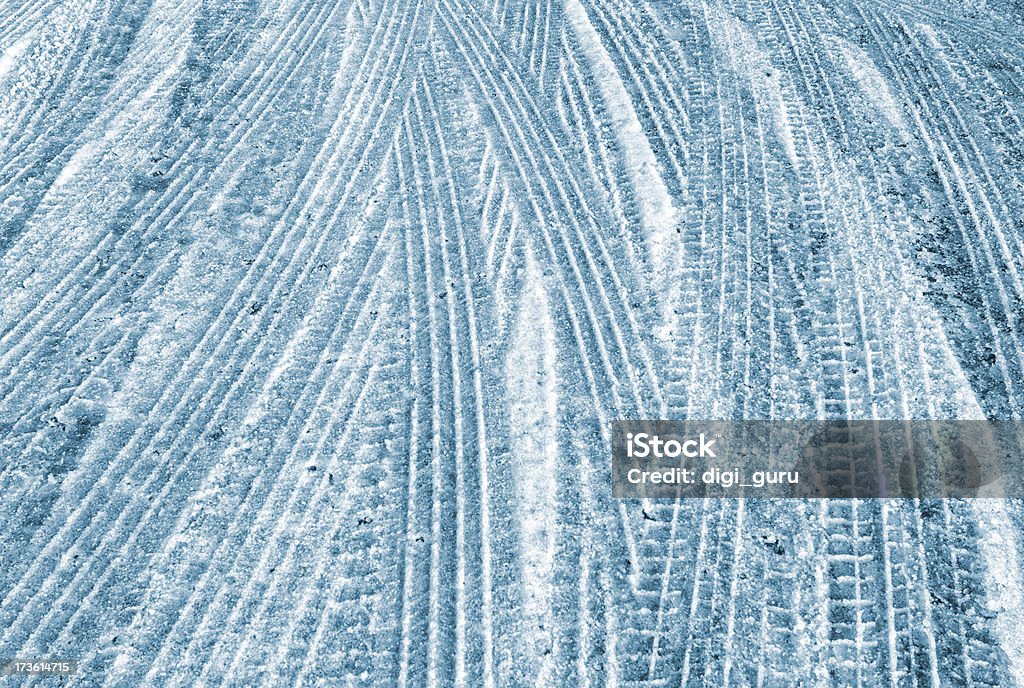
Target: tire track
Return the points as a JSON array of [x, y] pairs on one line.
[[274, 287]]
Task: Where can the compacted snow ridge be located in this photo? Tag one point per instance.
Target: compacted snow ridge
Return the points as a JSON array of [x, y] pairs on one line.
[[314, 316]]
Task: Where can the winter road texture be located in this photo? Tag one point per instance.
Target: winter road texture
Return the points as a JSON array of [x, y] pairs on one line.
[[314, 314]]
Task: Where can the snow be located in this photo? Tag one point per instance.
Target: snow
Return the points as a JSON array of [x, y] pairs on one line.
[[766, 80], [1000, 546], [533, 415], [315, 317], [10, 55], [657, 212], [871, 82]]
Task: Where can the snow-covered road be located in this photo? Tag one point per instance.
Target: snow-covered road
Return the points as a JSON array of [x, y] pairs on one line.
[[315, 314]]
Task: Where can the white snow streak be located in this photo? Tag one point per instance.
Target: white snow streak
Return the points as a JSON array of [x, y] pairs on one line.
[[10, 56], [533, 417], [999, 545], [871, 82], [750, 62], [657, 213]]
